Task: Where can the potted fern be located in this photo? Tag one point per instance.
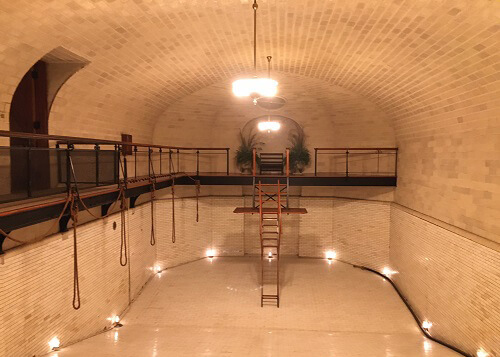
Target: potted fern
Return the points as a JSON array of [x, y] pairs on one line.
[[244, 153], [299, 153]]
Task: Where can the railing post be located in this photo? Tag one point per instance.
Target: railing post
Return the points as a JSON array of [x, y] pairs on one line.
[[254, 162], [253, 192], [68, 168], [227, 161], [28, 178], [125, 171], [378, 161], [170, 161], [96, 149], [287, 162], [254, 171], [315, 161], [135, 162], [59, 173], [347, 163], [149, 162], [396, 164], [118, 151], [160, 161], [197, 162], [178, 162]]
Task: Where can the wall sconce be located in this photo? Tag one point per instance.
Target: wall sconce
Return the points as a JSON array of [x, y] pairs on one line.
[[426, 325], [330, 255], [482, 353], [211, 253], [55, 344]]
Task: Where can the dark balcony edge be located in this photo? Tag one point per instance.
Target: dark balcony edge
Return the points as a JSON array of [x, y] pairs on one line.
[[28, 216]]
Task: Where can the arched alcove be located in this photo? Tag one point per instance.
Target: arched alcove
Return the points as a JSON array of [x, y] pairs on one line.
[[29, 113], [272, 141]]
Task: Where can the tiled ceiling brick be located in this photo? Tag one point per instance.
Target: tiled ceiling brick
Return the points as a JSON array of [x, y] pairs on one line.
[[409, 57], [432, 67]]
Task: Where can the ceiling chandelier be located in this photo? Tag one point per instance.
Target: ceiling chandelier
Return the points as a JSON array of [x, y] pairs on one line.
[[255, 87], [269, 125]]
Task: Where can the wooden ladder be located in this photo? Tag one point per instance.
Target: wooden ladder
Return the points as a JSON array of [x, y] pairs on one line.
[[270, 237]]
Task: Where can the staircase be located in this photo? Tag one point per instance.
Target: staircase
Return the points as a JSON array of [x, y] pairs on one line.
[[270, 208]]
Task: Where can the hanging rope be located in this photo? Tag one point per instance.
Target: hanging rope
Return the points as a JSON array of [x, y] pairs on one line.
[[76, 281], [42, 237], [173, 211], [152, 241], [152, 179], [198, 188], [123, 235], [110, 210]]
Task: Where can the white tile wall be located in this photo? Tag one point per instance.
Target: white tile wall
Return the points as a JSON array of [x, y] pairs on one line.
[[36, 284], [450, 280]]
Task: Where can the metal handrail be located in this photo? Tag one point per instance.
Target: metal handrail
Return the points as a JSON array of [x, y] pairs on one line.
[[84, 141], [65, 147], [346, 151], [354, 149]]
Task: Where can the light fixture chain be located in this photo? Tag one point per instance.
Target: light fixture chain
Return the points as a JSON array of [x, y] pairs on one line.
[[255, 7]]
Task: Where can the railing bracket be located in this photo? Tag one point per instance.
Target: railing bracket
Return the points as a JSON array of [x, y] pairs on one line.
[[2, 239], [63, 223], [132, 201], [105, 209]]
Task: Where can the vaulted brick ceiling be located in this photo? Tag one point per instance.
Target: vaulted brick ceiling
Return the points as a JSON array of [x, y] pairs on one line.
[[408, 56]]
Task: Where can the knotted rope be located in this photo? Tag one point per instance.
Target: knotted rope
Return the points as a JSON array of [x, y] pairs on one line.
[[198, 189], [173, 210], [152, 241], [76, 281], [123, 234]]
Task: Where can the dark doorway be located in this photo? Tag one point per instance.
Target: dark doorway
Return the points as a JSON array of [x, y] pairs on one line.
[[30, 161]]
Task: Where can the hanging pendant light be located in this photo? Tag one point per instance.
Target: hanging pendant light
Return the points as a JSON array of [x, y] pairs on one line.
[[269, 125], [255, 87]]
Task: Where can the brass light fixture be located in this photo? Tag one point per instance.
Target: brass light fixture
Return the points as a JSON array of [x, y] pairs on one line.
[[255, 87]]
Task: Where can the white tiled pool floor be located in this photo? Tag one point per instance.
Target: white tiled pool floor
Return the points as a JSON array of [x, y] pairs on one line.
[[213, 309]]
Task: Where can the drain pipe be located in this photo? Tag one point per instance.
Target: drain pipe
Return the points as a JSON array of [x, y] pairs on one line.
[[419, 323]]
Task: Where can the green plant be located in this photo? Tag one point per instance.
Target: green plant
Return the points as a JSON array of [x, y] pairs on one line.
[[244, 153], [300, 156]]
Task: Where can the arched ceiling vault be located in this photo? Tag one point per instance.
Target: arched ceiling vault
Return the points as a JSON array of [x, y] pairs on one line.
[[407, 56]]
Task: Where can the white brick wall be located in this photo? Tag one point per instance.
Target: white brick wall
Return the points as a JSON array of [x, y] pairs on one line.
[[450, 280], [37, 284], [357, 230], [218, 228], [142, 254]]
